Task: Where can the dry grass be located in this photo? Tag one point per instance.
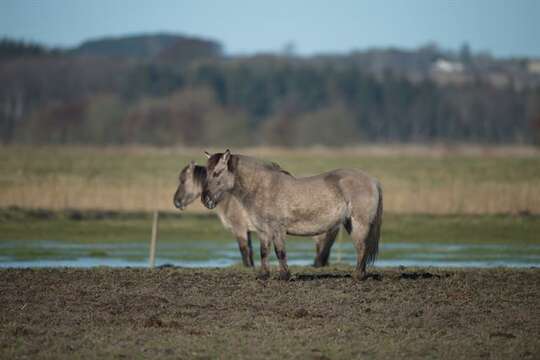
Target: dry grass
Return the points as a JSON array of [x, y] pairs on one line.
[[416, 179], [456, 198]]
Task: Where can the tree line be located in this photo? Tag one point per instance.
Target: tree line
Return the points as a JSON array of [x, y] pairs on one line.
[[189, 93]]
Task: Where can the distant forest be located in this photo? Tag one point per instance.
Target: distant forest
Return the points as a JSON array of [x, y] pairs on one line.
[[174, 90]]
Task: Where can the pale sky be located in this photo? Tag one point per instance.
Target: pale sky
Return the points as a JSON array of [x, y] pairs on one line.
[[502, 27]]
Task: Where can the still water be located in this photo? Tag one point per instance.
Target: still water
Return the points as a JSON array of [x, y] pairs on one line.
[[222, 253]]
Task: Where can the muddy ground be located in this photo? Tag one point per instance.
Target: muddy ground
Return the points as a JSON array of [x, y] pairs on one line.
[[226, 313]]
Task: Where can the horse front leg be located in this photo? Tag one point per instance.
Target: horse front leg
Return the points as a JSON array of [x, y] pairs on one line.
[[250, 249], [266, 243], [244, 245], [279, 246], [319, 243]]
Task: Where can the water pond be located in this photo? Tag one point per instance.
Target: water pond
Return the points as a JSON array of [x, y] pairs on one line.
[[221, 253]]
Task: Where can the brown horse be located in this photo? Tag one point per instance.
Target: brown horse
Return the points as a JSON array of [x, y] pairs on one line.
[[234, 217], [278, 204]]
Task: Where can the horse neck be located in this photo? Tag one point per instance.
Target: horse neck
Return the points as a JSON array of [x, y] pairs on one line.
[[248, 177]]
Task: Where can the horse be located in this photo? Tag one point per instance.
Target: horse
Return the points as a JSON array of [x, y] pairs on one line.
[[278, 204], [234, 217]]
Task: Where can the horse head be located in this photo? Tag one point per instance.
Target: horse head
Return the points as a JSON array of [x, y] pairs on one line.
[[190, 184], [220, 177]]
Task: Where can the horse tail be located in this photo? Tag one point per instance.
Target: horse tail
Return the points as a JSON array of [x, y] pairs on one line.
[[372, 240]]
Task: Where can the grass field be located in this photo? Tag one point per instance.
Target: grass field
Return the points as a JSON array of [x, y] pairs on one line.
[[415, 180]]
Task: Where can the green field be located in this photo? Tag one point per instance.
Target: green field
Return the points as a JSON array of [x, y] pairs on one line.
[[75, 226]]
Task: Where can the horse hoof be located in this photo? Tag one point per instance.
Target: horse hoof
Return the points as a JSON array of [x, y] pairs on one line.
[[285, 276], [263, 275], [359, 276]]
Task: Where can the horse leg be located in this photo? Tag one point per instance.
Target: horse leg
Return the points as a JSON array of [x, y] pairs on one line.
[[319, 241], [359, 232], [279, 246], [250, 249], [323, 245], [243, 246], [244, 243], [266, 243]]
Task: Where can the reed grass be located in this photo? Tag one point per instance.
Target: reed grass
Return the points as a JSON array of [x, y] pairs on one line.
[[436, 180]]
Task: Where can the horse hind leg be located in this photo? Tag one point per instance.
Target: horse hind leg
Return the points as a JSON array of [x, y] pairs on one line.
[[324, 244], [266, 245], [359, 232]]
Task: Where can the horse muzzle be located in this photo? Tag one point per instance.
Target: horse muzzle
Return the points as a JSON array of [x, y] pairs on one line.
[[208, 201], [178, 204]]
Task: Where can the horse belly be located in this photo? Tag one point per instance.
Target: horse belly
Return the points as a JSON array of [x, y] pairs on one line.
[[314, 221]]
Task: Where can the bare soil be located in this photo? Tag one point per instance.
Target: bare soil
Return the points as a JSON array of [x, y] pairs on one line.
[[226, 313]]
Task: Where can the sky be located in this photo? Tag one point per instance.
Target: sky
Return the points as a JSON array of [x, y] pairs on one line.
[[505, 28]]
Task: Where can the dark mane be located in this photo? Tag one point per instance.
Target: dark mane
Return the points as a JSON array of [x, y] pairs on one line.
[[213, 160], [199, 174], [275, 166]]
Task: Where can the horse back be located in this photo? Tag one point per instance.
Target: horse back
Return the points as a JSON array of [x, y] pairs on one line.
[[353, 187]]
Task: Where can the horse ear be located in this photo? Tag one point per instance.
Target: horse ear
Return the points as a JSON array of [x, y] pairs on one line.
[[191, 164], [207, 154], [226, 156]]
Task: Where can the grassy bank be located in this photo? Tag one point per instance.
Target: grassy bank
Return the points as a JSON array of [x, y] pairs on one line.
[[320, 314], [86, 238], [118, 227], [415, 180]]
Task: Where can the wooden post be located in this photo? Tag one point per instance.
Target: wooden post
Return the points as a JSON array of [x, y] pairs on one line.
[[152, 260]]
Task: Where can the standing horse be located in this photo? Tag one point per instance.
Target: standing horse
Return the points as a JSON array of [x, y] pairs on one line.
[[278, 204], [234, 217]]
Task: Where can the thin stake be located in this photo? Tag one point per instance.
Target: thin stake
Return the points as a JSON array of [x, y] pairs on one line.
[[153, 241]]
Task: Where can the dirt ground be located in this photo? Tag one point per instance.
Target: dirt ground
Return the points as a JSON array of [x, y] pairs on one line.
[[226, 313]]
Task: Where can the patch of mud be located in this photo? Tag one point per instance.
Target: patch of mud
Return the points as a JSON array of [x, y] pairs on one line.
[[421, 275], [226, 313]]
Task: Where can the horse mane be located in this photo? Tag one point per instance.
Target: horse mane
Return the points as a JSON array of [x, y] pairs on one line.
[[275, 166], [262, 164], [199, 174], [234, 159]]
